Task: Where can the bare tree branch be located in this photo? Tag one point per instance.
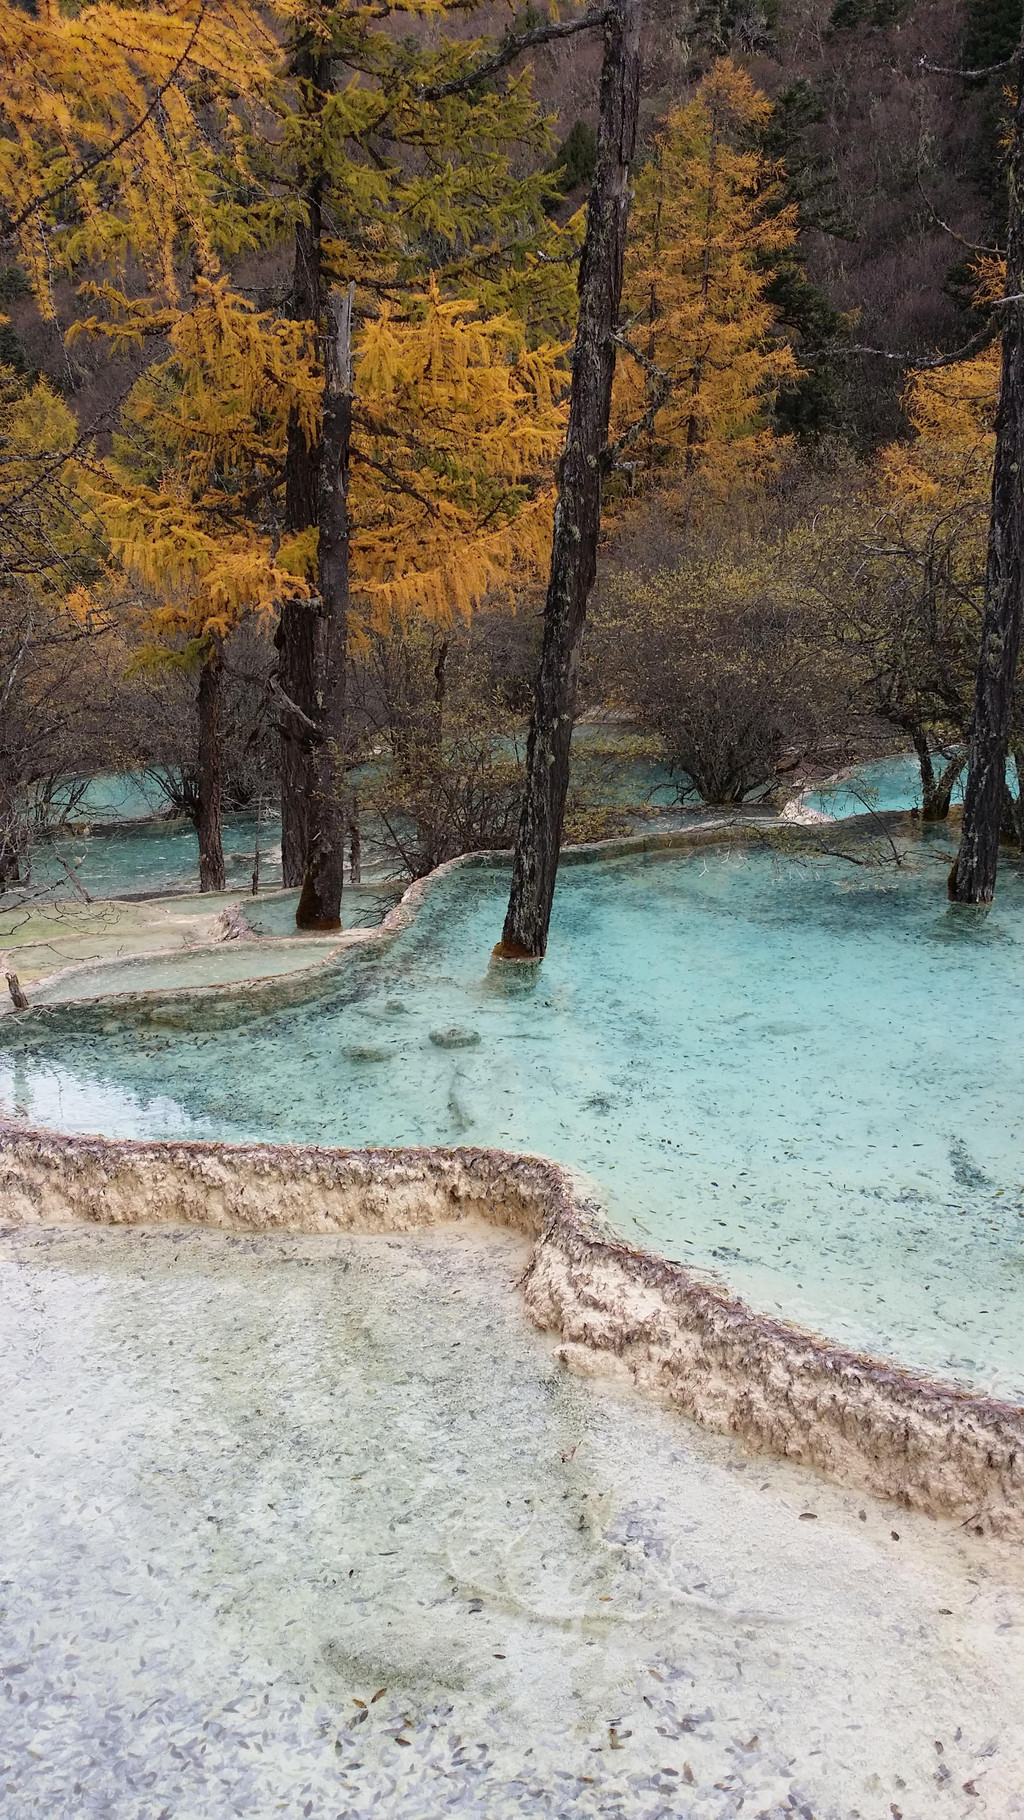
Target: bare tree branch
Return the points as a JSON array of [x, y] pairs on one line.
[[971, 245], [666, 380], [395, 482], [985, 335], [513, 46], [993, 69], [284, 701]]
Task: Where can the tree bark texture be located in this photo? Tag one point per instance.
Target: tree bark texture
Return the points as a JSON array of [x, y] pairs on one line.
[[936, 786], [323, 875], [10, 842], [578, 510], [209, 767], [973, 878], [1017, 798], [296, 633], [355, 844]]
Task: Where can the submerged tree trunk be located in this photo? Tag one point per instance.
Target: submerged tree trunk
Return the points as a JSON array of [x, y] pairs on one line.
[[973, 877], [578, 511], [323, 876], [1017, 797], [936, 787], [297, 629], [210, 770], [1012, 820]]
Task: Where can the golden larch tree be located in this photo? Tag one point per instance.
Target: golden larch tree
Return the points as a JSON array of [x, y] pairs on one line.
[[707, 358]]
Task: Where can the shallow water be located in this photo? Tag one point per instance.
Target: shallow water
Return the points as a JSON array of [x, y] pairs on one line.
[[158, 856], [363, 906], [249, 1484], [800, 1074], [117, 796], [883, 785], [147, 854], [224, 965], [178, 939], [150, 856]]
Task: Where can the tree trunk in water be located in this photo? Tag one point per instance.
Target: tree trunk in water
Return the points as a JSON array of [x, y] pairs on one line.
[[323, 876], [1017, 798], [297, 629], [973, 878], [578, 511], [208, 819], [936, 791]]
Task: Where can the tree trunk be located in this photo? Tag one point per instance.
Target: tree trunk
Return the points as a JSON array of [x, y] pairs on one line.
[[208, 817], [296, 642], [441, 681], [936, 789], [10, 830], [578, 511], [323, 877], [297, 629], [18, 998], [973, 878], [1017, 797], [943, 793]]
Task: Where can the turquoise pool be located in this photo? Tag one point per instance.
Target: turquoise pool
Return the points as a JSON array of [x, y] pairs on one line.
[[797, 1073]]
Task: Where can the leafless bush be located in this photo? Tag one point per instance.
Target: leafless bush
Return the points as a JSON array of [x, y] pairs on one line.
[[162, 727], [730, 690], [440, 721], [60, 719], [713, 634]]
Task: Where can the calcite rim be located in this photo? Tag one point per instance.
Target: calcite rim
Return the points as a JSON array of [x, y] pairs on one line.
[[272, 991], [868, 1423], [864, 1422]]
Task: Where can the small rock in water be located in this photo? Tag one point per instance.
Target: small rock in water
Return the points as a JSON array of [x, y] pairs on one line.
[[395, 1008], [457, 1036], [365, 1052]]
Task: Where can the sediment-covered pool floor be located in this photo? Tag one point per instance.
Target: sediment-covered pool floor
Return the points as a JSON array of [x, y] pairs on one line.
[[796, 1071], [250, 1482]]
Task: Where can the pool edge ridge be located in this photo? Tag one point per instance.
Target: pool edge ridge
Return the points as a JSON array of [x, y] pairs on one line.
[[265, 993], [866, 1423]]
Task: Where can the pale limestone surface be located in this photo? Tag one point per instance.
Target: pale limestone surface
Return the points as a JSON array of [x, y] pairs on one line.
[[863, 1421], [687, 1651], [250, 1479], [45, 938], [70, 950]]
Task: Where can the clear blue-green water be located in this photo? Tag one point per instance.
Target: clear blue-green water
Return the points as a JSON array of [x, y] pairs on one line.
[[800, 1074], [137, 851], [134, 856], [147, 858], [116, 796], [883, 785], [316, 1527]]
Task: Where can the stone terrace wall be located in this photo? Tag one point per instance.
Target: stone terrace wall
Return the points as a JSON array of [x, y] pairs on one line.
[[864, 1423]]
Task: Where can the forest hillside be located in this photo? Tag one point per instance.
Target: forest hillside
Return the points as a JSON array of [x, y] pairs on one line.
[[233, 233]]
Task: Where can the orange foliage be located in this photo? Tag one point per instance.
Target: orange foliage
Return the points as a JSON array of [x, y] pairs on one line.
[[706, 221]]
